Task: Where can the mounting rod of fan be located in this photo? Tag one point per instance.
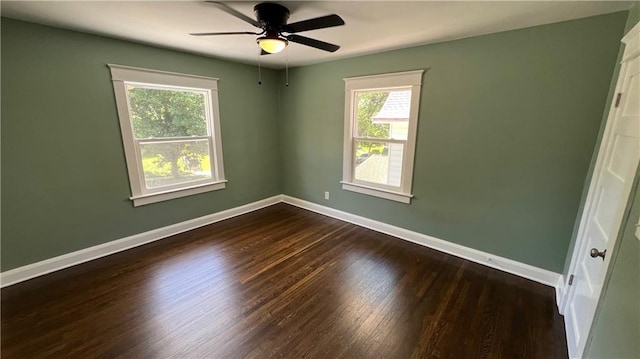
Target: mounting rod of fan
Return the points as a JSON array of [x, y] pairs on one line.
[[276, 34]]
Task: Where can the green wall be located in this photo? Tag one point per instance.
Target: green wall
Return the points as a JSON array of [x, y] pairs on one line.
[[507, 127], [64, 180], [616, 329], [634, 16]]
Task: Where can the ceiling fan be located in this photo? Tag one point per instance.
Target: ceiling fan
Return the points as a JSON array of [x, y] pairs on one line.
[[276, 33]]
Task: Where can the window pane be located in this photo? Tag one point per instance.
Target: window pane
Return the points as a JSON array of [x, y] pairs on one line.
[[166, 113], [383, 114], [379, 162], [172, 162]]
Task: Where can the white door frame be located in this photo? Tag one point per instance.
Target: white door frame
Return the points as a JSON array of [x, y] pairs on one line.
[[632, 49]]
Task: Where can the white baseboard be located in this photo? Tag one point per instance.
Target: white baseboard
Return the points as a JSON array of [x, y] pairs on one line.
[[84, 255], [560, 294], [67, 260], [504, 264]]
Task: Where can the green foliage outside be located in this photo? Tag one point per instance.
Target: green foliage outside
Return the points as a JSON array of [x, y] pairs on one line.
[[156, 166], [369, 104], [165, 113]]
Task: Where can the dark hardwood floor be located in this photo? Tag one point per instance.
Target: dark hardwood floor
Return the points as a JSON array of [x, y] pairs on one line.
[[280, 282]]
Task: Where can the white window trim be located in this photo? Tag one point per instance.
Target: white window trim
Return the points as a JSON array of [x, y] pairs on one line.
[[140, 195], [408, 79]]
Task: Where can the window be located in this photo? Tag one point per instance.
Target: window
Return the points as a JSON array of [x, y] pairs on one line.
[[381, 115], [170, 127]]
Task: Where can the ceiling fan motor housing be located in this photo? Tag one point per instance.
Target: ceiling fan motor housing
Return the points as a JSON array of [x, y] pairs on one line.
[[271, 16]]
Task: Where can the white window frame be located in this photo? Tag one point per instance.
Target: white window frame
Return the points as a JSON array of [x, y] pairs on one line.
[[140, 194], [392, 81]]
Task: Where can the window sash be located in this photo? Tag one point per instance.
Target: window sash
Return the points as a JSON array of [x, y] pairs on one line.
[[375, 139], [171, 139], [354, 149], [161, 189], [208, 106], [354, 104]]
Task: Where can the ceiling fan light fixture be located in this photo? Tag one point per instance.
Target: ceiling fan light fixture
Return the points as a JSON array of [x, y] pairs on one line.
[[272, 44]]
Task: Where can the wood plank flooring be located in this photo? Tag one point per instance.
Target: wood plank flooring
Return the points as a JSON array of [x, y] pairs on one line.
[[280, 282]]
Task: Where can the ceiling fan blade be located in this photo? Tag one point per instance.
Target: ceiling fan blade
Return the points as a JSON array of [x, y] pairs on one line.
[[315, 23], [313, 43], [233, 12], [223, 33]]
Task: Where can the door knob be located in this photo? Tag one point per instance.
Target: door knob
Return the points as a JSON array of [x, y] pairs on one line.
[[595, 253]]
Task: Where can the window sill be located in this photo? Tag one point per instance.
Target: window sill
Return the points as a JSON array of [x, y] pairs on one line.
[[176, 193], [377, 192]]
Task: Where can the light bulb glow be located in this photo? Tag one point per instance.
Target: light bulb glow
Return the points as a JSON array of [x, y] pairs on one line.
[[272, 45]]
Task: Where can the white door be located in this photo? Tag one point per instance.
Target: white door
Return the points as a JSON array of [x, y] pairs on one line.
[[606, 201]]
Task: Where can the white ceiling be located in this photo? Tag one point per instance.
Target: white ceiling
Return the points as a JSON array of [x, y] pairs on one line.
[[371, 26]]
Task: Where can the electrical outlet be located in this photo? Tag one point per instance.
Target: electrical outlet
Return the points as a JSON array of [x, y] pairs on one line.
[[326, 195]]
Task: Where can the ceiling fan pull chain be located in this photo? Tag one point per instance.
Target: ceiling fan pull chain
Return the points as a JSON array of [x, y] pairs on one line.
[[259, 72], [286, 66]]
